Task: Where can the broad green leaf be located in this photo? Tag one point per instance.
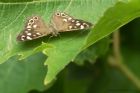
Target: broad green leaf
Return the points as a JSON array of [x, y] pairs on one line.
[[15, 1], [22, 76], [93, 52], [113, 19], [69, 45], [63, 48]]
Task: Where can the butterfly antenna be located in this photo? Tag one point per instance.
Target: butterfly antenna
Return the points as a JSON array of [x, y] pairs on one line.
[[59, 35]]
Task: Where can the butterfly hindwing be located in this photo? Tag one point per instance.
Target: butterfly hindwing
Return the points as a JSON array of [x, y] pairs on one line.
[[34, 28], [63, 22]]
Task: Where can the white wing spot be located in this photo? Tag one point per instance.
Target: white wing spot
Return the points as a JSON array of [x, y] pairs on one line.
[[75, 27], [63, 15], [38, 33], [57, 14], [26, 32], [77, 24], [31, 21], [73, 21], [70, 27], [22, 36], [35, 18], [29, 34], [77, 21], [65, 20], [85, 24], [34, 26], [29, 38], [81, 27], [28, 26], [69, 18], [34, 35]]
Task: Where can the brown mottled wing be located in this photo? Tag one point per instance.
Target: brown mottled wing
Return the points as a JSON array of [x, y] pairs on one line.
[[63, 22], [34, 28]]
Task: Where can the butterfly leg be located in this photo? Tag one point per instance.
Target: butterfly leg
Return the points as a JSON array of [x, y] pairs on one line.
[[53, 31]]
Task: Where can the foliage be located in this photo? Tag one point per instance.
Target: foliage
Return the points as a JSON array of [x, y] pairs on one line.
[[87, 76]]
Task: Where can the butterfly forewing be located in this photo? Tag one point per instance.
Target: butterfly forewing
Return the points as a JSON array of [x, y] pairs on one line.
[[34, 28], [63, 22]]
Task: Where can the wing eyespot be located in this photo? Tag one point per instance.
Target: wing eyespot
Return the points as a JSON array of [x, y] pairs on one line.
[[35, 18], [29, 24], [57, 14], [63, 15], [31, 21]]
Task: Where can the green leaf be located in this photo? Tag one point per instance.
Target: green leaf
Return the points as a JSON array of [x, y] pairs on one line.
[[93, 52], [15, 1], [69, 46], [64, 48], [113, 19], [22, 76]]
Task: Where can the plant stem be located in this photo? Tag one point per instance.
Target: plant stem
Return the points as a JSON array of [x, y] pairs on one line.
[[117, 61]]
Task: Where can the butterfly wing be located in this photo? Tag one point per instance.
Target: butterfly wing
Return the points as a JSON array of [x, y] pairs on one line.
[[34, 28], [63, 22]]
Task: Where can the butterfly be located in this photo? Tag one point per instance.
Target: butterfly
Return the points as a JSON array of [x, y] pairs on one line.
[[34, 28], [60, 22]]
